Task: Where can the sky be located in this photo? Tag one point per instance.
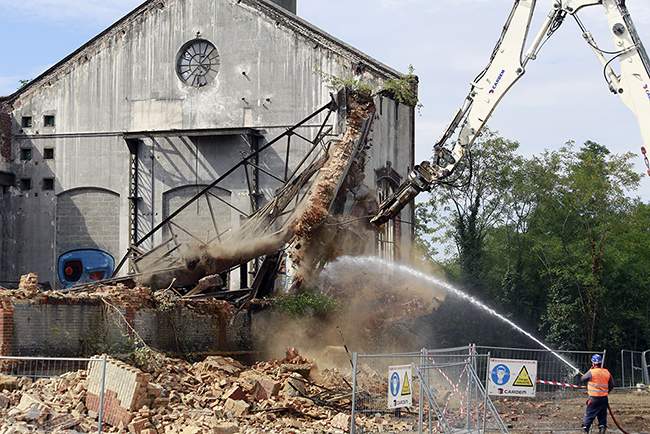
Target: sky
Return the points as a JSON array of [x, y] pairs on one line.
[[562, 97]]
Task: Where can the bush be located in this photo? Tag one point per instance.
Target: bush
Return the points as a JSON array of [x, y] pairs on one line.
[[305, 304], [403, 89]]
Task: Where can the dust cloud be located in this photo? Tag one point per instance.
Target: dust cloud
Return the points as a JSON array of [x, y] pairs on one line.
[[376, 309]]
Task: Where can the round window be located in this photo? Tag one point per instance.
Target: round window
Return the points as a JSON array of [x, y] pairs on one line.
[[198, 63]]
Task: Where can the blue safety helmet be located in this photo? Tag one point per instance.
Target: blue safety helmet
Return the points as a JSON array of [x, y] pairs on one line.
[[597, 359]]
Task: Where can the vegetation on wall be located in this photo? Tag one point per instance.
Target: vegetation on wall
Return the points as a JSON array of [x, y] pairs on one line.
[[402, 90]]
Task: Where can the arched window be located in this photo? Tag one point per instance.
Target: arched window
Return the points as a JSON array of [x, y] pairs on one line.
[[386, 240], [388, 236]]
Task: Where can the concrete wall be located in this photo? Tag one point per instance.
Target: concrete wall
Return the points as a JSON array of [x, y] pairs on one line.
[[272, 73]]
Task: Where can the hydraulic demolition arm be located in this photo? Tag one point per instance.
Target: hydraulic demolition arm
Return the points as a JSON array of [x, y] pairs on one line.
[[508, 64]]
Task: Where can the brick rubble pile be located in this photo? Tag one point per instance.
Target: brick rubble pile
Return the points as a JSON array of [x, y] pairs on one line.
[[216, 395]]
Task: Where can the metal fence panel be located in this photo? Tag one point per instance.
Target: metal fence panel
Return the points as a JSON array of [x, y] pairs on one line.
[[455, 398], [447, 392], [370, 386], [555, 376], [632, 369], [43, 373]]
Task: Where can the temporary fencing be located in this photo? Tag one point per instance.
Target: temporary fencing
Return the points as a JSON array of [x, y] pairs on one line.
[[449, 387], [448, 393], [455, 399], [634, 368], [370, 386], [39, 372], [554, 374]]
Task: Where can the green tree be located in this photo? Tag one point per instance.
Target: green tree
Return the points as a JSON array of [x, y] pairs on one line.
[[477, 206], [573, 224], [557, 242]]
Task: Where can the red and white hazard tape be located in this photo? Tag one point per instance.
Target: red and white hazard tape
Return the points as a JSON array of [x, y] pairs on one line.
[[557, 383]]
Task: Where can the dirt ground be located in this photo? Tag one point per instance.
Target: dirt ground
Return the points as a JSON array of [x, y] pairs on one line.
[[632, 409]]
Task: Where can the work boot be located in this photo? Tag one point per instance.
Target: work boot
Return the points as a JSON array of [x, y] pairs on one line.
[[602, 430], [585, 429]]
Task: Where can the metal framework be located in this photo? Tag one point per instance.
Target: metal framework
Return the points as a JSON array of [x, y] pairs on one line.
[[163, 256]]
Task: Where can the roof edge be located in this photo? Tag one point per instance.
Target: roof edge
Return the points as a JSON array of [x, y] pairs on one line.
[[293, 21], [380, 66], [11, 97]]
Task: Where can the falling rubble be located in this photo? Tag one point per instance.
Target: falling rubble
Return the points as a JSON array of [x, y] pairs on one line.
[[171, 396], [326, 181]]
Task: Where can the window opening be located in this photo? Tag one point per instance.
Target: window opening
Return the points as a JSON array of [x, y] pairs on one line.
[[49, 121], [48, 184], [25, 154], [26, 184]]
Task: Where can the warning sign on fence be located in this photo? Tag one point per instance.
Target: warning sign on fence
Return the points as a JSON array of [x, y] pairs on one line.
[[509, 377], [400, 391]]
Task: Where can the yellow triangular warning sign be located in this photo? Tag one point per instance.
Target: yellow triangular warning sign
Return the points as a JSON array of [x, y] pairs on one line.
[[523, 379], [406, 387]]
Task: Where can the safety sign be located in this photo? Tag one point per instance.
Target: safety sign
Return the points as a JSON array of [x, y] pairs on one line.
[[510, 377], [400, 391]]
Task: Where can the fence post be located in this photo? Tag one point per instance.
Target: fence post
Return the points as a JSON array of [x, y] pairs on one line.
[[102, 390], [646, 368], [485, 396], [622, 368], [468, 396], [604, 357], [353, 422], [423, 384]]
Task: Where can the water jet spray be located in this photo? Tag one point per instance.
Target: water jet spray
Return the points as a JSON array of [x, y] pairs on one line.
[[369, 261]]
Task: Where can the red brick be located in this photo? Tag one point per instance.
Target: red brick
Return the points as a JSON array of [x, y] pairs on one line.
[[6, 328]]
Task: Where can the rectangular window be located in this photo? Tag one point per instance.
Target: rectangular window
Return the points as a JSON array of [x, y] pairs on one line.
[[25, 154], [48, 153], [49, 121], [26, 184], [26, 122], [48, 184]]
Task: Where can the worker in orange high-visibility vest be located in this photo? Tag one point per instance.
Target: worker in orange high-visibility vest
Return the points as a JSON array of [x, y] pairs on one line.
[[599, 384]]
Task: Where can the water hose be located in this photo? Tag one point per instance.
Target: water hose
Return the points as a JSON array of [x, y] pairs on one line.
[[611, 413]]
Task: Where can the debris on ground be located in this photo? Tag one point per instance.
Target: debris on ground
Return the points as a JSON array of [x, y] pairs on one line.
[[552, 414], [216, 395]]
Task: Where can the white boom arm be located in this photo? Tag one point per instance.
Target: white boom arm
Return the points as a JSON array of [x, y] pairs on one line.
[[508, 64]]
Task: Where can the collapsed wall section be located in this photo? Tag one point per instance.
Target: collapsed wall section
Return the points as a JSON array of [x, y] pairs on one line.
[[125, 390], [70, 326]]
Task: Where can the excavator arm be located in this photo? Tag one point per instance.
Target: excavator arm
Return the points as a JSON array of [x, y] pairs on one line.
[[508, 64]]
